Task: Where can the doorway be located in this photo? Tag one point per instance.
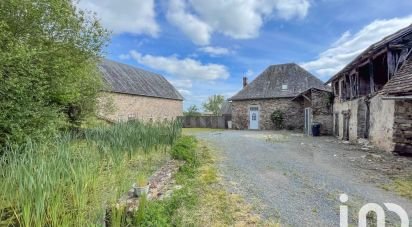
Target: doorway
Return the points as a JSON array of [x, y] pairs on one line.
[[254, 117]]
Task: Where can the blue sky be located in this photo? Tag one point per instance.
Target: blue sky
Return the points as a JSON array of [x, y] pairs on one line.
[[205, 47]]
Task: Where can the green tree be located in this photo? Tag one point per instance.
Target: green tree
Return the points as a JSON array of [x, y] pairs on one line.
[[192, 111], [48, 67], [214, 103]]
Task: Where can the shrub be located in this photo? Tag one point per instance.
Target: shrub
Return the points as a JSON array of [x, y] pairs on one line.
[[277, 119], [185, 149]]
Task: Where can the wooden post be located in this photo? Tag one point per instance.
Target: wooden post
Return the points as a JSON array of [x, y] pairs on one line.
[[372, 82]]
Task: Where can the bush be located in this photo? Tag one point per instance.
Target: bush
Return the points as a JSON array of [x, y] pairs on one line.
[[185, 149], [277, 119], [48, 68]]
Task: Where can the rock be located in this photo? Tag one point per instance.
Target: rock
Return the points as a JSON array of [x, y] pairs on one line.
[[363, 142], [372, 156]]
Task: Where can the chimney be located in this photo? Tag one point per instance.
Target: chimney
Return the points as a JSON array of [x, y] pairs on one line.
[[244, 81]]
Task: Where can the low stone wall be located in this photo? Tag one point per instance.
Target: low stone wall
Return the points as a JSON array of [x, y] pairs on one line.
[[402, 136], [293, 113], [204, 122]]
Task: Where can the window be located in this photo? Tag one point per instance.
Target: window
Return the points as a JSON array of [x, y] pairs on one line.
[[254, 108], [284, 87], [131, 117], [254, 117]]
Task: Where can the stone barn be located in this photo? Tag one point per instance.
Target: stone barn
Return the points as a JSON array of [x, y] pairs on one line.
[[133, 93], [317, 104], [372, 95], [272, 90]]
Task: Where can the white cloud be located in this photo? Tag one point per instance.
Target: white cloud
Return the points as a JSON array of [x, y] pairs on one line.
[[185, 92], [125, 16], [186, 68], [349, 45], [197, 30], [239, 19], [215, 51], [182, 84]]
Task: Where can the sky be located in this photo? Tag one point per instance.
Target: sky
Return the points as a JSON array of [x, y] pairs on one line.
[[206, 47]]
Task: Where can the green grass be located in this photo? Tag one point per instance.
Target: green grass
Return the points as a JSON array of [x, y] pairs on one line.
[[402, 186], [72, 180]]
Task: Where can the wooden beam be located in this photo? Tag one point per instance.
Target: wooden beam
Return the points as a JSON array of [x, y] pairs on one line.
[[306, 97]]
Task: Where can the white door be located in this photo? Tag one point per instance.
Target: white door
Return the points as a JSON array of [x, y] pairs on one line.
[[254, 118]]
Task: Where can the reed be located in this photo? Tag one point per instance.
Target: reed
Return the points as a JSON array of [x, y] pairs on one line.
[[71, 180]]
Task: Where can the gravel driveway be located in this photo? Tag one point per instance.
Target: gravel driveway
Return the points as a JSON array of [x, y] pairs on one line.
[[297, 180]]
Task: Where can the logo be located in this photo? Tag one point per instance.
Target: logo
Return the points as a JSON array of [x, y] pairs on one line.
[[372, 207]]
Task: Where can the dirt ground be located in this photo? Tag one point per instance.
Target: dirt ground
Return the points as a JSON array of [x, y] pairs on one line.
[[298, 179]]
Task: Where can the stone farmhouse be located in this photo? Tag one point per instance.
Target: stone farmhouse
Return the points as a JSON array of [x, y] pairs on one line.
[[373, 95], [273, 90], [133, 93]]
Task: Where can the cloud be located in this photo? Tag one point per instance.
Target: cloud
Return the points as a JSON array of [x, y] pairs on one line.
[[125, 16], [198, 31], [239, 19], [185, 93], [349, 45], [182, 84], [215, 51], [186, 68]]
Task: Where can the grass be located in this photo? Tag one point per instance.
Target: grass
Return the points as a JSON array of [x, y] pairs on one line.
[[202, 200], [70, 181], [192, 131], [402, 186]]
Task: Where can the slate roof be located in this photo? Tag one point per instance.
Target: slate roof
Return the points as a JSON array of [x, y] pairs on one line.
[[127, 79], [269, 83], [226, 108], [372, 49], [310, 90], [401, 82]]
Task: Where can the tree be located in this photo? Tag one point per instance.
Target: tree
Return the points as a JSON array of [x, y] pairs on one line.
[[214, 103], [48, 67], [192, 111]]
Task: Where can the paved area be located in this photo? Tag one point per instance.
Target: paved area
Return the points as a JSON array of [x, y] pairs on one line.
[[297, 179]]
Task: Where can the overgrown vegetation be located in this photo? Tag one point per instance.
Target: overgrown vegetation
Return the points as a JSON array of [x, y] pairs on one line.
[[48, 67], [201, 201], [71, 180], [277, 119]]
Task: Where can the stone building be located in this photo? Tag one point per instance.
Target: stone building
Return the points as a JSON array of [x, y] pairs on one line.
[[371, 95], [272, 90], [317, 104], [133, 93]]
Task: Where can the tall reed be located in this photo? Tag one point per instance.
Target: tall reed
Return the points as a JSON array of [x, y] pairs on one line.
[[70, 180]]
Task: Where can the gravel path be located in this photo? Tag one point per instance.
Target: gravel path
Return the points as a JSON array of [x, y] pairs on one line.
[[297, 180]]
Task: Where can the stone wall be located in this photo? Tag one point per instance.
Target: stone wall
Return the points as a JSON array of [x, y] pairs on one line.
[[351, 107], [116, 106], [322, 111], [293, 113], [381, 123], [403, 127]]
